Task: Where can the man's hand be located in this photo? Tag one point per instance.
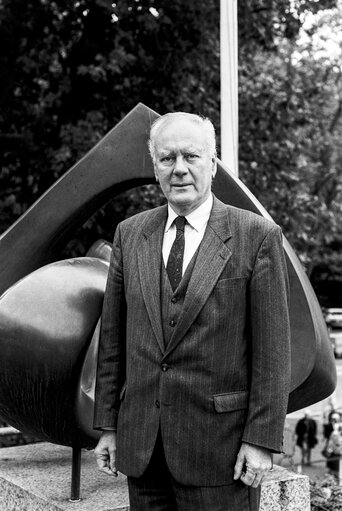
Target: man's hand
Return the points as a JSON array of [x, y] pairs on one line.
[[252, 463], [105, 453]]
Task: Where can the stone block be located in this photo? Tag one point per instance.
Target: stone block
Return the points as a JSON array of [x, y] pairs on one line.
[[283, 490], [38, 478]]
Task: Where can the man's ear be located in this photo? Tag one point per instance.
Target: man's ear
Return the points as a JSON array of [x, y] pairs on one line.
[[214, 167]]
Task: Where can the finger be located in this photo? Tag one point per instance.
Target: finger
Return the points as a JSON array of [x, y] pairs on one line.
[[109, 472], [247, 477], [102, 461], [238, 468], [112, 465], [257, 480], [103, 465], [111, 459]]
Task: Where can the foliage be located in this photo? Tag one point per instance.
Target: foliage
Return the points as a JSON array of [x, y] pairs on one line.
[[326, 494], [290, 152], [72, 69]]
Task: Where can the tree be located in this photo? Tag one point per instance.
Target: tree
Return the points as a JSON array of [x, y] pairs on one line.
[[75, 69], [291, 155], [72, 69]]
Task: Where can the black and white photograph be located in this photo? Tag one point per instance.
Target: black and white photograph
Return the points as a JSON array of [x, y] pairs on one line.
[[171, 255]]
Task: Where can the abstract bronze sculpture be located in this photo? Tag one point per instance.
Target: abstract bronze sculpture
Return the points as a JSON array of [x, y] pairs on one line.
[[48, 320]]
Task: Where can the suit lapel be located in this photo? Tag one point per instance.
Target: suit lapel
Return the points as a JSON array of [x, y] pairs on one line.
[[212, 257], [149, 264]]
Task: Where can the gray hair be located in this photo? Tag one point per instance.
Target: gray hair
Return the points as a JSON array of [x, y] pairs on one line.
[[161, 122]]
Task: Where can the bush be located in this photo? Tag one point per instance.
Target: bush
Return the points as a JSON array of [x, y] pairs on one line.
[[326, 494]]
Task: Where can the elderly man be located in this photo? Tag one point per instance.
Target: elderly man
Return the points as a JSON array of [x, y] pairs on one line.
[[194, 358]]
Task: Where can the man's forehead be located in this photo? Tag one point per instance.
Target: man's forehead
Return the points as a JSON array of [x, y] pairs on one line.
[[181, 123], [181, 133], [183, 146]]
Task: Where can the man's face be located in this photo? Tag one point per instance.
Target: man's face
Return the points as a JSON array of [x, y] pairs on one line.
[[183, 165]]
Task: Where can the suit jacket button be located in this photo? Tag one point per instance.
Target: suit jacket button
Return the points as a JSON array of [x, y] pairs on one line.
[[164, 367], [172, 322], [173, 299], [157, 403]]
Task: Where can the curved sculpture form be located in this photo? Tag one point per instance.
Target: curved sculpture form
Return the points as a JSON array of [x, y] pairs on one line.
[[47, 321], [66, 374]]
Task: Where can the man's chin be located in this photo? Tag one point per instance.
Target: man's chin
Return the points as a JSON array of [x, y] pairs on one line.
[[183, 193], [183, 203], [181, 199]]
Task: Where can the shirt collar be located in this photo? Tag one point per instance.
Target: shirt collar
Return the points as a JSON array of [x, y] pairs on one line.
[[197, 218]]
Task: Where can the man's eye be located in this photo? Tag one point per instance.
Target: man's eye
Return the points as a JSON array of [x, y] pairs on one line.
[[166, 159], [191, 156]]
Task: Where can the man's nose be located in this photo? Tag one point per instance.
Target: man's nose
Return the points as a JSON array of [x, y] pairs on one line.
[[180, 165]]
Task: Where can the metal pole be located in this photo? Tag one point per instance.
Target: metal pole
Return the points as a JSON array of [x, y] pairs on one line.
[[229, 84], [75, 475]]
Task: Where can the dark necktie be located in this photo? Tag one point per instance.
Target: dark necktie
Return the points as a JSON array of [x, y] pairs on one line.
[[175, 261]]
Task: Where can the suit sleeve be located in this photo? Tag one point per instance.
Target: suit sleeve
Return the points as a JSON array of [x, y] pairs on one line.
[[270, 345], [110, 374]]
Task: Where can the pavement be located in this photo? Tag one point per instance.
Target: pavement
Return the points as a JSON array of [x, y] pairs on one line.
[[317, 469]]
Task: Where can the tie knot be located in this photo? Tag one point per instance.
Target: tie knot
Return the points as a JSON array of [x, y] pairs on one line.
[[180, 223]]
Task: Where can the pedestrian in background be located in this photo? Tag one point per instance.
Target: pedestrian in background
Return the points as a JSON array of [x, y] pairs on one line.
[[328, 411], [306, 431], [333, 451]]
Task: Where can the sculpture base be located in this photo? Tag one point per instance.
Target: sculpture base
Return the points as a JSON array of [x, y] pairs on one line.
[[38, 477], [283, 490]]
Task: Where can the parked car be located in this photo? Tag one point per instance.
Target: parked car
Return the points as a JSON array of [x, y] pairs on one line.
[[333, 317], [335, 335]]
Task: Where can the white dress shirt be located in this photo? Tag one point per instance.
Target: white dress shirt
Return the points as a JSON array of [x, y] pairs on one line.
[[193, 232]]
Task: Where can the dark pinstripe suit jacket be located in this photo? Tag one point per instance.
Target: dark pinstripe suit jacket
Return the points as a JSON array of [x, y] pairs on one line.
[[229, 354]]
